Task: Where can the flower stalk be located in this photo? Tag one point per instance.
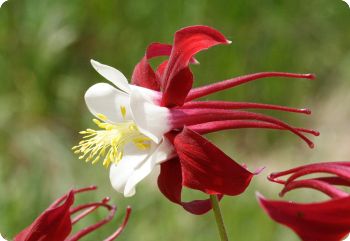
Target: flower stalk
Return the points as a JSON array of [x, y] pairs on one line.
[[218, 217]]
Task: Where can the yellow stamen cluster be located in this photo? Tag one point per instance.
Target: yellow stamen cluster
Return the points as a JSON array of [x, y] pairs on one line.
[[109, 142]]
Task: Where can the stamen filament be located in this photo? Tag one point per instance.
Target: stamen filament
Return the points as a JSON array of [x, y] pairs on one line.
[[109, 143]]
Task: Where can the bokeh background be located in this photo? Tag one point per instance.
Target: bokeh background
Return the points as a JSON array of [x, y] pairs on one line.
[[45, 48]]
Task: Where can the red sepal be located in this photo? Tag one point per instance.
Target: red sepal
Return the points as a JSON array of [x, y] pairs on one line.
[[170, 184], [325, 221], [206, 168], [54, 224], [160, 69], [143, 74], [177, 79]]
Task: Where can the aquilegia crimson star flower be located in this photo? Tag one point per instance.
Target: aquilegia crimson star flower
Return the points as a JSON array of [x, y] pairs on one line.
[[320, 221], [155, 121], [55, 223]]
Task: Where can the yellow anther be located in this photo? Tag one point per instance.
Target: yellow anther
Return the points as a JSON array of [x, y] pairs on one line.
[[96, 160], [97, 122], [109, 142], [102, 117], [123, 111]]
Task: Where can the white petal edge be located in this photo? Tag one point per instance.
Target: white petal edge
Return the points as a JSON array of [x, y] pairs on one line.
[[103, 98], [163, 152], [151, 119], [150, 95], [112, 74], [120, 173], [1, 238], [1, 3]]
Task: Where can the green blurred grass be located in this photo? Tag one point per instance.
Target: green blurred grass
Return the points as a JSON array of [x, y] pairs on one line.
[[45, 49]]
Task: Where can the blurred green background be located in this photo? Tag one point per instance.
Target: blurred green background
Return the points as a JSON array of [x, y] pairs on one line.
[[45, 48]]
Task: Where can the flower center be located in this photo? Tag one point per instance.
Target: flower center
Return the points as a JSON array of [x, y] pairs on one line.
[[109, 142]]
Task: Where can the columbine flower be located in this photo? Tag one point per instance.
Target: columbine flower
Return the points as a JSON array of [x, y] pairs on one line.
[[142, 123], [55, 223], [320, 221]]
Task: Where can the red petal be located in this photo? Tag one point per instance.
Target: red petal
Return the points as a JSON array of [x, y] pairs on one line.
[[176, 92], [226, 84], [89, 208], [122, 226], [340, 169], [206, 168], [54, 224], [177, 79], [143, 74], [170, 184], [158, 49], [241, 105], [214, 126], [325, 221], [183, 116], [161, 68], [316, 184]]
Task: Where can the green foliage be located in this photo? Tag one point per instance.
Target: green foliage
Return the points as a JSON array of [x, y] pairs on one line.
[[45, 47]]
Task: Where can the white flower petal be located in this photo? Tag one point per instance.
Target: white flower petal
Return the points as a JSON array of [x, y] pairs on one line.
[[1, 238], [151, 119], [161, 154], [120, 173], [150, 95], [104, 99], [112, 74], [1, 3]]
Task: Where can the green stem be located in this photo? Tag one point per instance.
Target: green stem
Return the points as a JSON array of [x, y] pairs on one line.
[[218, 217]]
